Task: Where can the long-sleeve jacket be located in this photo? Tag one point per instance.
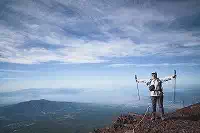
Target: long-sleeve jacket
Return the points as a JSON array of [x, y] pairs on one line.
[[157, 83]]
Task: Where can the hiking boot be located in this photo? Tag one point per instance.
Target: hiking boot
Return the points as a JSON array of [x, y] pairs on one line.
[[153, 118], [162, 118]]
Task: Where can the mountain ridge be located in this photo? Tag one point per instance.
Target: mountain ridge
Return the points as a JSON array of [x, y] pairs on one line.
[[185, 120]]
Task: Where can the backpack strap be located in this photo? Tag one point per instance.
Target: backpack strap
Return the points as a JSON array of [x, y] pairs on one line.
[[159, 85]]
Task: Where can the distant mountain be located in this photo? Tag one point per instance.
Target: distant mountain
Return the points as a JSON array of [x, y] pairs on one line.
[[50, 116], [38, 109]]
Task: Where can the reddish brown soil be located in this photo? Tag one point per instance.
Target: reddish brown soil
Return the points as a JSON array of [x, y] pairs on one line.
[[185, 120]]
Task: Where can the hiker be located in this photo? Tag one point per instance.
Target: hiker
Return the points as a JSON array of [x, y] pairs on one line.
[[156, 92]]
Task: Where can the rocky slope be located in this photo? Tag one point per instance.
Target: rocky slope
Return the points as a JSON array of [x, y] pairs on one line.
[[185, 120]]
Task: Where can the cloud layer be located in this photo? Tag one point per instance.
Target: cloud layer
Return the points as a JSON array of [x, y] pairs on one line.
[[97, 31], [153, 65]]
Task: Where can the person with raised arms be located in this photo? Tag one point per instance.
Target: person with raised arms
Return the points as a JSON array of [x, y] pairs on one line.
[[156, 92]]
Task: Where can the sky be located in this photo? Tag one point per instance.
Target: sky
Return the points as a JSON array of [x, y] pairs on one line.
[[97, 44]]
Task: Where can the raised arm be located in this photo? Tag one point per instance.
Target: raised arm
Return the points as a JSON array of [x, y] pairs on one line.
[[165, 79], [143, 80]]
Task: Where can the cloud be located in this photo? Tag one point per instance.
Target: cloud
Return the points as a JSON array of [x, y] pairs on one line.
[[152, 65], [14, 71], [96, 31], [11, 79]]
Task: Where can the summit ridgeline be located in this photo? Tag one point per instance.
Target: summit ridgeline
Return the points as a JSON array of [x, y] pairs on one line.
[[185, 120]]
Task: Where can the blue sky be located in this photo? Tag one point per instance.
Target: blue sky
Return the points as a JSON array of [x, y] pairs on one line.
[[97, 44]]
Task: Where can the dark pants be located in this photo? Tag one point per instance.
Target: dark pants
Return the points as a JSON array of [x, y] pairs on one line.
[[154, 100]]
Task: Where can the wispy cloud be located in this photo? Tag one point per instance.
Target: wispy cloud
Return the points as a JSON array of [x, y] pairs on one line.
[[152, 65], [96, 31], [14, 71], [11, 79]]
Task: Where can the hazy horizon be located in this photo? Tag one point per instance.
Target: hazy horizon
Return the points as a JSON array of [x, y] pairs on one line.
[[126, 97]]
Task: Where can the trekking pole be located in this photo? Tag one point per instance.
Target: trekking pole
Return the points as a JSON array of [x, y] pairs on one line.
[[174, 86], [137, 87]]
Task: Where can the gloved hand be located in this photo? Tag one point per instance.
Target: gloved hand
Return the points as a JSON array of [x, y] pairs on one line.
[[148, 83], [174, 76]]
